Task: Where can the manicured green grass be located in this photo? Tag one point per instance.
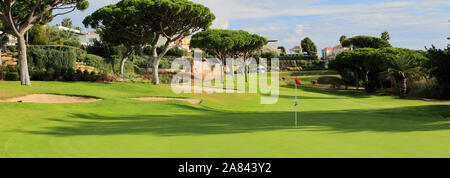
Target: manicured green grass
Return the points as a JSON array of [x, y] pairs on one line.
[[333, 124], [308, 76]]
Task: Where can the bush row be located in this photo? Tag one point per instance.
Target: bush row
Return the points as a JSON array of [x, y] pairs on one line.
[[62, 74], [9, 73]]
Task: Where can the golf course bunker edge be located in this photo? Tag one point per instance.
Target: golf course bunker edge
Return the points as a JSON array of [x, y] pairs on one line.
[[190, 100], [51, 98]]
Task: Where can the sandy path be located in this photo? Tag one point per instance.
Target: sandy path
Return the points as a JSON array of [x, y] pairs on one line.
[[49, 98], [192, 101]]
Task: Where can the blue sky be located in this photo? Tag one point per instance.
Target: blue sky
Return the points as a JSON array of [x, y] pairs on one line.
[[411, 23]]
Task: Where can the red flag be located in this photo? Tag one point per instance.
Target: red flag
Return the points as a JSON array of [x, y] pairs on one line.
[[298, 81]]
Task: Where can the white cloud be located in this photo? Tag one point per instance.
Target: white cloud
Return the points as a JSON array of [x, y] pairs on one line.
[[415, 21], [299, 29]]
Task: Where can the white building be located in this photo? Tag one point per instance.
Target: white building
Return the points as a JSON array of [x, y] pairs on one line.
[[88, 38], [330, 53], [272, 46], [68, 29], [296, 50]]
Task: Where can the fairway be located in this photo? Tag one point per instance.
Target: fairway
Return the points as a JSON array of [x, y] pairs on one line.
[[333, 124]]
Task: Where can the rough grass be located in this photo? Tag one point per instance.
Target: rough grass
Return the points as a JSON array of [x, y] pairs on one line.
[[333, 124]]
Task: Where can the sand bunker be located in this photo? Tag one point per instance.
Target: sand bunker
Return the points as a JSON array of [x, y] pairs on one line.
[[192, 101], [48, 98]]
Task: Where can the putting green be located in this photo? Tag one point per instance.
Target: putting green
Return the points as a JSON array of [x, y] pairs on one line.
[[333, 124]]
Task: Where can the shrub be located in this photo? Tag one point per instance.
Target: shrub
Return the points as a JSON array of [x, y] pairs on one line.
[[85, 76], [12, 76], [3, 71], [73, 42], [165, 64], [69, 75], [174, 52], [328, 80], [106, 78], [439, 67], [294, 68], [46, 57], [366, 42], [370, 86], [269, 55]]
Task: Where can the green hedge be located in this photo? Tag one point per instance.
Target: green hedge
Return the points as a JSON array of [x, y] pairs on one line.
[[12, 76], [300, 57], [47, 57]]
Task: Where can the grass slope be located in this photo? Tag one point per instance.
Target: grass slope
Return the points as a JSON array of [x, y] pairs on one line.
[[333, 124]]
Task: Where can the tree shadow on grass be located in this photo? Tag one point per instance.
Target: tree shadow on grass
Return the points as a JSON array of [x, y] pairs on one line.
[[406, 119]]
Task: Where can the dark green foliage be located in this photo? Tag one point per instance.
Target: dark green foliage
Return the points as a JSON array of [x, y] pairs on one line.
[[109, 52], [366, 42], [100, 63], [269, 55], [365, 65], [439, 67], [309, 47], [13, 49], [385, 36], [298, 57], [229, 43], [136, 23], [342, 39], [47, 57], [12, 76], [173, 52], [73, 42]]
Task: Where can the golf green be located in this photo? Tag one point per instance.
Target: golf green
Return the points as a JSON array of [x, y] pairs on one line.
[[332, 124]]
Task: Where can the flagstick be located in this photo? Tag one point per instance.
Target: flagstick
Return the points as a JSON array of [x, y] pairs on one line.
[[296, 105]]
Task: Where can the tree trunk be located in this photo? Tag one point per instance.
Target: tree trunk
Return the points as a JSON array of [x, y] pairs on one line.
[[246, 72], [1, 62], [156, 70], [1, 47], [405, 87], [222, 72], [122, 65], [26, 40], [24, 74]]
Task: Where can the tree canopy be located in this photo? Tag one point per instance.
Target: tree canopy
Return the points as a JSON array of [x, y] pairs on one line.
[[366, 42], [342, 39], [439, 66], [149, 20], [309, 47], [22, 15], [366, 64], [228, 43], [117, 25], [385, 36], [66, 22]]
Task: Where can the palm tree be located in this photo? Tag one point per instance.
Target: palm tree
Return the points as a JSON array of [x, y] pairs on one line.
[[401, 70]]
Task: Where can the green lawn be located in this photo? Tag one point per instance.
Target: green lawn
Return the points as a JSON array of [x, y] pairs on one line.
[[333, 124]]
